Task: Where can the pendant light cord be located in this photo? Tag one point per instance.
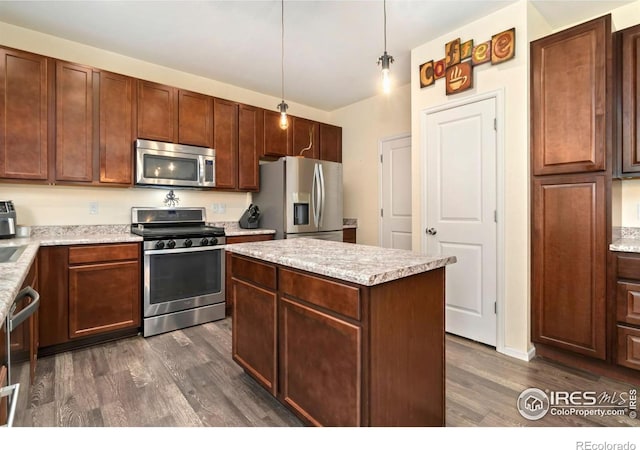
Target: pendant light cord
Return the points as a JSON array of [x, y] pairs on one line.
[[384, 5], [282, 45]]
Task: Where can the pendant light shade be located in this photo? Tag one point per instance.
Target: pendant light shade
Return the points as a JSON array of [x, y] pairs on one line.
[[282, 107], [385, 60]]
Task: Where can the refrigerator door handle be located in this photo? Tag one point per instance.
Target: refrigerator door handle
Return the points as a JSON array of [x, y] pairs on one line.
[[322, 194], [315, 200]]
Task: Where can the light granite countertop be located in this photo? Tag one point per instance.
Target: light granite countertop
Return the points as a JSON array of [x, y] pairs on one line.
[[233, 229], [631, 245], [360, 264]]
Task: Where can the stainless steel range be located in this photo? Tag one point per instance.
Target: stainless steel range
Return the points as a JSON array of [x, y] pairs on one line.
[[183, 268]]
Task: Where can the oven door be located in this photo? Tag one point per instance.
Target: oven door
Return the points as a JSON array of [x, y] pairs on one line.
[[181, 279]]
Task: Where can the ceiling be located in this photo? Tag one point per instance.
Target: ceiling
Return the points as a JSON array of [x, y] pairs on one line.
[[331, 47]]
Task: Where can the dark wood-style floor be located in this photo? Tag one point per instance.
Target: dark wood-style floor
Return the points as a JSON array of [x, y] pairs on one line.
[[187, 378]]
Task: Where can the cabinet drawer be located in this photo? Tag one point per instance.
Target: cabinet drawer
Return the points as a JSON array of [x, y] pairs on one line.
[[338, 297], [254, 271], [102, 253], [249, 238], [628, 303], [628, 267], [629, 347]]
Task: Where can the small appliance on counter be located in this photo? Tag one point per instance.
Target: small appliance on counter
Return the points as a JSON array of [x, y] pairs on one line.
[[250, 217], [7, 219]]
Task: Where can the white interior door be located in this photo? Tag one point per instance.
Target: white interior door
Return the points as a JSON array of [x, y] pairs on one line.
[[395, 211], [461, 213]]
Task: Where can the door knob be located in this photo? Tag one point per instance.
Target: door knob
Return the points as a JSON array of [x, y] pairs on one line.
[[432, 231]]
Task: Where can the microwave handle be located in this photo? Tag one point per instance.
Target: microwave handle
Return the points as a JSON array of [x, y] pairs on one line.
[[201, 169]]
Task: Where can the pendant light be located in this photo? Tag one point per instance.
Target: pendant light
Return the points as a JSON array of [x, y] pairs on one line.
[[385, 60], [282, 107]]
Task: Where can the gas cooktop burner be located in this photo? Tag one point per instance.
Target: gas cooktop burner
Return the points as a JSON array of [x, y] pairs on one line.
[[164, 232]]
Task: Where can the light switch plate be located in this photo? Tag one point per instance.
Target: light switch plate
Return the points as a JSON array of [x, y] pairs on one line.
[[94, 208]]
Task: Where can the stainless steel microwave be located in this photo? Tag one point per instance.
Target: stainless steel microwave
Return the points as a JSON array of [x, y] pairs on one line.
[[175, 165]]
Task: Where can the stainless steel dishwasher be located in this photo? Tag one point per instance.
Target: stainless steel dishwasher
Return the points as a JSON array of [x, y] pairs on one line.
[[12, 321]]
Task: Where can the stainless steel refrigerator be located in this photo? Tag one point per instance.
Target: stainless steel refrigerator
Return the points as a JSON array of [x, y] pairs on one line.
[[301, 197]]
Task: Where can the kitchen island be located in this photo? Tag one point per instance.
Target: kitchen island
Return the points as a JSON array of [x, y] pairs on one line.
[[342, 334]]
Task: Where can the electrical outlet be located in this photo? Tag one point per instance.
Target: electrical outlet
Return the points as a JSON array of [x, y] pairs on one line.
[[222, 208], [214, 208], [93, 208]]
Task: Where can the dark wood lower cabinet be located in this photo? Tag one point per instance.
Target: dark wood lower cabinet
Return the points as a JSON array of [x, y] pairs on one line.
[[342, 354], [320, 365], [118, 304], [254, 344], [349, 235], [90, 293], [3, 401]]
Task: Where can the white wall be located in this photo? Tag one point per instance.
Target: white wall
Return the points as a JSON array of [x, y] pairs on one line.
[[47, 205], [363, 125]]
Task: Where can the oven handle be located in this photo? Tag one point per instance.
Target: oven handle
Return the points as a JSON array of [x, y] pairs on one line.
[[184, 250]]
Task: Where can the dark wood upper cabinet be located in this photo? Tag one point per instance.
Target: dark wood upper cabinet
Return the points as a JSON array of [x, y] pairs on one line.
[[305, 135], [250, 146], [157, 112], [277, 142], [225, 142], [330, 143], [195, 119], [74, 122], [569, 263], [630, 99], [569, 99], [116, 121], [23, 110]]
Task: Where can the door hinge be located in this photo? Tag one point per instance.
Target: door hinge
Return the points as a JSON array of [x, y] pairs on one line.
[[495, 124], [495, 215], [495, 307], [381, 212], [380, 159]]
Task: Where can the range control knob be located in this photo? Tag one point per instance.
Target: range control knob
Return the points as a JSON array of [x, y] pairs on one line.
[[213, 241], [171, 244], [204, 241], [159, 245], [187, 242]]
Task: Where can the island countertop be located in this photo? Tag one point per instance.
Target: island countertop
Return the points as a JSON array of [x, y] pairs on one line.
[[361, 264]]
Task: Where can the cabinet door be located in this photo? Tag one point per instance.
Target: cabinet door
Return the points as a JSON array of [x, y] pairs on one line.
[[330, 143], [569, 99], [117, 132], [157, 112], [74, 122], [320, 365], [23, 111], [250, 146], [569, 263], [54, 306], [305, 135], [254, 332], [630, 93], [117, 306], [225, 137], [195, 119], [277, 142]]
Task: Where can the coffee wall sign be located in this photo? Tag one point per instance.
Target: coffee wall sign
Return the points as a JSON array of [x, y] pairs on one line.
[[461, 57]]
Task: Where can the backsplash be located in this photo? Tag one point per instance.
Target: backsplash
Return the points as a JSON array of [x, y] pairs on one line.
[[73, 205]]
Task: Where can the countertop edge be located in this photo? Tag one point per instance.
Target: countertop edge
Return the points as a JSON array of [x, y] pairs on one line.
[[433, 263], [627, 245]]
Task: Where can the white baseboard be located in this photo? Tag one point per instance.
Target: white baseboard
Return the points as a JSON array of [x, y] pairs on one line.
[[519, 354]]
